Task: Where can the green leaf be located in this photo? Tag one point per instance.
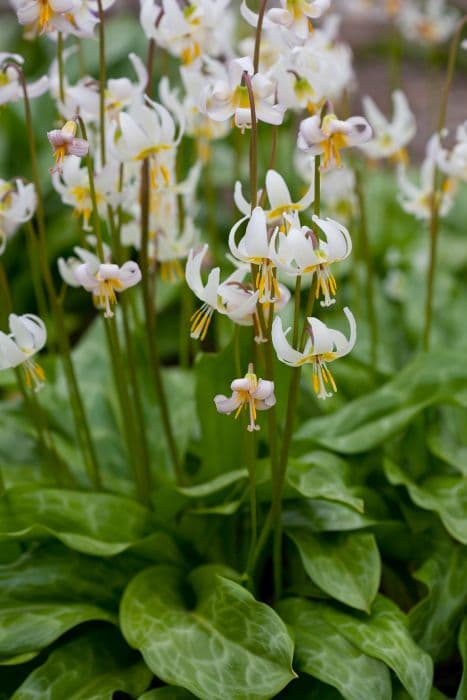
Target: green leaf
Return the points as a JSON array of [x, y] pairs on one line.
[[224, 644], [168, 693], [88, 668], [323, 652], [324, 516], [323, 475], [346, 566], [214, 485], [445, 495], [372, 419], [384, 635], [91, 523], [462, 691], [433, 621]]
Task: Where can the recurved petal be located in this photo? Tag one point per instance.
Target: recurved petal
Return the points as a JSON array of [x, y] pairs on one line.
[[278, 192], [285, 352], [227, 405]]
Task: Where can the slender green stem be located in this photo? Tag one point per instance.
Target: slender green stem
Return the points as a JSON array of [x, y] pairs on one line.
[[150, 315], [32, 246], [61, 72], [253, 143], [150, 66], [102, 80], [259, 28], [251, 460], [435, 200], [370, 286]]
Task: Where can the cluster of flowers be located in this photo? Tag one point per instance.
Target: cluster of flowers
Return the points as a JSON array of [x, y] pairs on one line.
[[292, 66]]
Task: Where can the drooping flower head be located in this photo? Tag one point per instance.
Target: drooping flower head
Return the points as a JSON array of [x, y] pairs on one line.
[[17, 205], [389, 137], [65, 143], [250, 393], [105, 279], [330, 135], [27, 337]]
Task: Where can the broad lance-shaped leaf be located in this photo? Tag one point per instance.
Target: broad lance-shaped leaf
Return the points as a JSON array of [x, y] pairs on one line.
[[462, 691], [347, 566], [384, 635], [91, 523], [445, 495], [323, 475], [90, 667], [370, 420], [323, 652], [434, 620], [218, 643]]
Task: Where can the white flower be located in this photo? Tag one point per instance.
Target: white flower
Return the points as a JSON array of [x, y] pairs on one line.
[[43, 15], [429, 23], [279, 198], [212, 294], [27, 337], [417, 200], [292, 15], [105, 279], [82, 255], [65, 143], [302, 253], [454, 162], [330, 135], [248, 392], [254, 248], [226, 97], [389, 138], [10, 86], [324, 345], [17, 205]]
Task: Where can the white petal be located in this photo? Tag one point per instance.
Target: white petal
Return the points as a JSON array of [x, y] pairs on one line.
[[284, 351]]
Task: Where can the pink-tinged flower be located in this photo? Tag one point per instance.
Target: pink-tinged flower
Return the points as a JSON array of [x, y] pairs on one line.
[[330, 135], [43, 15], [65, 143], [247, 392], [105, 279]]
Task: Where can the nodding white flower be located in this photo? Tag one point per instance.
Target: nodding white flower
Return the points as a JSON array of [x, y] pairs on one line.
[[149, 131], [119, 93], [10, 87], [254, 248], [306, 253], [418, 199], [227, 97], [279, 199], [454, 162], [428, 23], [67, 267], [43, 15], [250, 393], [389, 138], [105, 279], [293, 15], [324, 345], [27, 337], [212, 294], [17, 205], [330, 135], [65, 143], [200, 27]]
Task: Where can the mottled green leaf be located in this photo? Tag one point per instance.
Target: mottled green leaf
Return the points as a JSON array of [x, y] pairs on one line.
[[88, 522], [223, 644], [87, 668], [323, 475], [445, 495], [323, 652], [214, 485], [384, 635], [324, 516], [347, 566], [434, 620]]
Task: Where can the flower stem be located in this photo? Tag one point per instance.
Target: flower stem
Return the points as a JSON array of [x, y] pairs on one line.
[[251, 460], [435, 200], [370, 287], [61, 72], [259, 29], [102, 80]]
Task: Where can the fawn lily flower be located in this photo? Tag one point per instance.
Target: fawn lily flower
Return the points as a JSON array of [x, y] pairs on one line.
[[27, 337], [279, 198], [454, 163], [429, 23], [211, 294], [330, 135], [236, 296], [389, 138], [254, 248], [293, 15], [65, 143], [10, 87], [67, 267], [105, 279], [43, 15], [224, 98], [309, 254], [250, 393], [324, 345], [17, 205], [417, 200]]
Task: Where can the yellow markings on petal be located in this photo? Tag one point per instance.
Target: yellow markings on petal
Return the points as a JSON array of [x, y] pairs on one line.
[[45, 12], [279, 211]]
